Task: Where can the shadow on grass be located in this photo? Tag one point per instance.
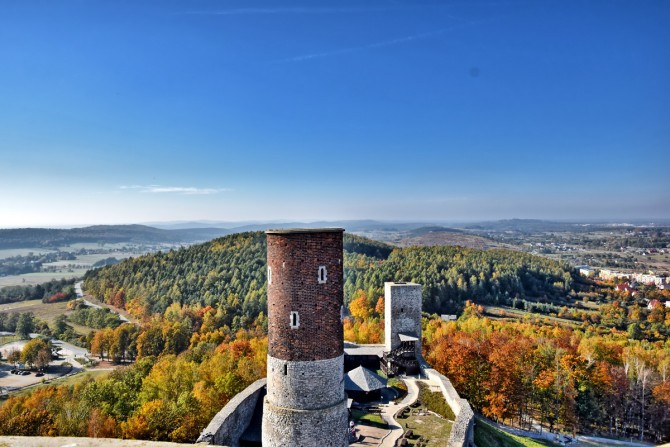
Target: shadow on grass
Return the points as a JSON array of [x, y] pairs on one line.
[[370, 419]]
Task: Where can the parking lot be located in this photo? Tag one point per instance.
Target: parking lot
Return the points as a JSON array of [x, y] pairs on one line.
[[13, 382]]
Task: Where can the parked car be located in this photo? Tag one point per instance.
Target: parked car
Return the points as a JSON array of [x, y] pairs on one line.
[[14, 371], [39, 374], [25, 373]]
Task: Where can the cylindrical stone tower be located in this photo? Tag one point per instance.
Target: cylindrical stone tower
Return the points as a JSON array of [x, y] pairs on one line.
[[305, 403]]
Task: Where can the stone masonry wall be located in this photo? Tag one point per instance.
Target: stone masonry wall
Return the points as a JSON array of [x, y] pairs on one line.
[[306, 385], [230, 423], [462, 432], [326, 427], [402, 310]]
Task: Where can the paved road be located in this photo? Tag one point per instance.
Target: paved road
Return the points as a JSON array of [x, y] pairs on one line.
[[80, 294]]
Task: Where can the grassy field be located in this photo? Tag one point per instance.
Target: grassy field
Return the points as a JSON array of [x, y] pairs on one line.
[[369, 418], [509, 313], [43, 311], [39, 278], [96, 246], [487, 435], [11, 252], [82, 264], [4, 339], [47, 312], [655, 261], [432, 428], [79, 378], [72, 380]]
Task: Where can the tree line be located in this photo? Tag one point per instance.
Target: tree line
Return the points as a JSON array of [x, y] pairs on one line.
[[230, 273], [203, 323], [10, 294], [561, 378]]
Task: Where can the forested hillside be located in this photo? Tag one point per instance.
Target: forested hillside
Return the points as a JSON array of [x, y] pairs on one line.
[[229, 273], [202, 339], [52, 237]]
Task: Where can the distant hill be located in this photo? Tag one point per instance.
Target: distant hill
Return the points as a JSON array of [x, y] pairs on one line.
[[229, 273], [52, 238], [526, 226], [349, 225], [435, 236]]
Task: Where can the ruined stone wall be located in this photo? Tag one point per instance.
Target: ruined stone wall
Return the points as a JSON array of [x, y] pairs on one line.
[[462, 432], [229, 424]]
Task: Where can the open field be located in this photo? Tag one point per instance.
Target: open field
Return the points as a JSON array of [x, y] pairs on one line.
[[39, 278], [96, 246], [43, 311], [11, 252], [47, 312], [71, 268], [445, 238], [517, 314], [79, 377], [433, 428]]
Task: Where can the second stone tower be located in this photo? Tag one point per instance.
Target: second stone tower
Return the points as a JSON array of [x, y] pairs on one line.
[[305, 403]]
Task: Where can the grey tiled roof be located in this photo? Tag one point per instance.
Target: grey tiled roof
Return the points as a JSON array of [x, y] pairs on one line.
[[362, 379]]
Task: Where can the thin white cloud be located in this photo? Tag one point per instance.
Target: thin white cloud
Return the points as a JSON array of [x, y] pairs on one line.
[[184, 190], [387, 43], [292, 10]]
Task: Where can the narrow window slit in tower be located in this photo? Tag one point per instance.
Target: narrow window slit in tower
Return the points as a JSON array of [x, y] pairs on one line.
[[295, 320], [285, 368], [323, 274]]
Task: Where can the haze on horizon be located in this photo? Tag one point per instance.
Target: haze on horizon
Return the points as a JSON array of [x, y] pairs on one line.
[[148, 111]]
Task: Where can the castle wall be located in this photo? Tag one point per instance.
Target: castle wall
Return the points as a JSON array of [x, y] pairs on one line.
[[326, 427], [227, 427], [462, 432], [306, 277], [306, 385], [402, 310]]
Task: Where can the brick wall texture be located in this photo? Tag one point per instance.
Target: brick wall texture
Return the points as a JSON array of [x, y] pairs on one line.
[[294, 259]]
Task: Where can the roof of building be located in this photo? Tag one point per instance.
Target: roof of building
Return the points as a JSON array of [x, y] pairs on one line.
[[407, 337], [355, 349], [362, 379]]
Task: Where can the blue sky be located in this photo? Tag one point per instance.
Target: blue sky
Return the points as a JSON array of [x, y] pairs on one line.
[[135, 111]]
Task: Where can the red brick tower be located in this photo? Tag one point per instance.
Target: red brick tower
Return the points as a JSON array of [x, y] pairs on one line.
[[305, 403]]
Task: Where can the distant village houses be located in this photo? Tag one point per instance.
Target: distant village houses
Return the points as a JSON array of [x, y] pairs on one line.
[[609, 275], [642, 278], [587, 271]]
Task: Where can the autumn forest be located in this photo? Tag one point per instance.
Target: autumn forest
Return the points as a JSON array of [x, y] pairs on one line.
[[534, 343]]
